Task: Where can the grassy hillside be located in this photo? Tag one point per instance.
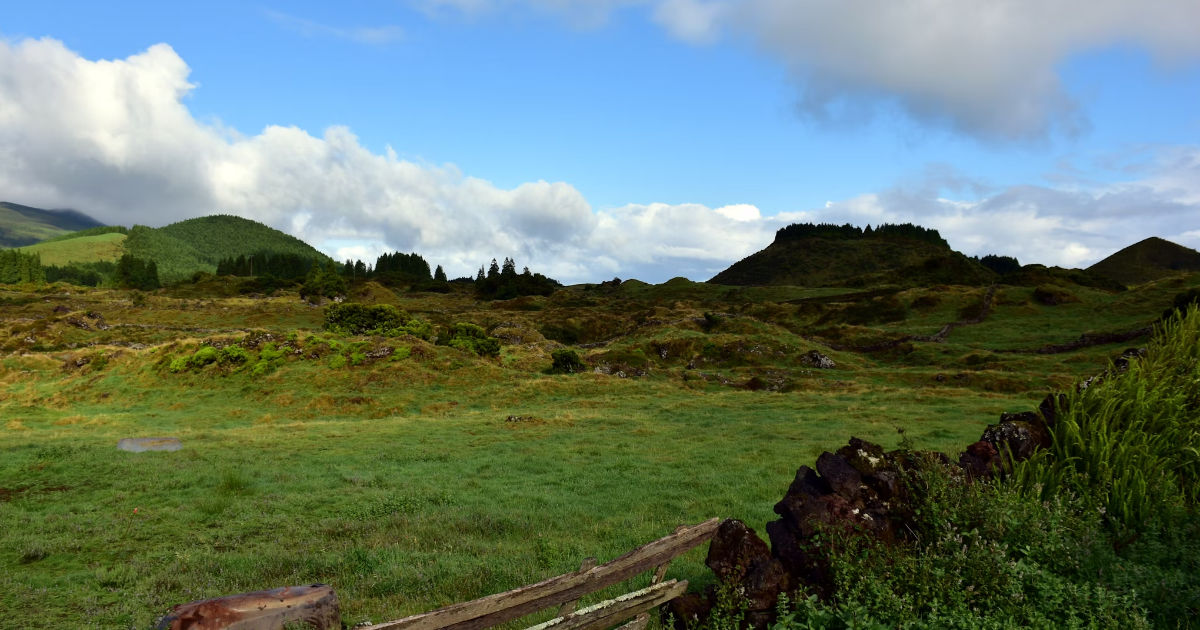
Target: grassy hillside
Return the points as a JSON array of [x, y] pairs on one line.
[[25, 225], [180, 249], [79, 249], [1147, 260], [411, 475]]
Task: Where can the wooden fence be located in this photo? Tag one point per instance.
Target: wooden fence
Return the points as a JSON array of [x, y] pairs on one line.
[[273, 610]]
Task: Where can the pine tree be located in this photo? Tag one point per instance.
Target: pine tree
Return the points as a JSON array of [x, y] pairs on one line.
[[439, 275]]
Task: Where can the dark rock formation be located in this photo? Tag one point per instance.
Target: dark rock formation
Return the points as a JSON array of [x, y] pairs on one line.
[[860, 490], [818, 360]]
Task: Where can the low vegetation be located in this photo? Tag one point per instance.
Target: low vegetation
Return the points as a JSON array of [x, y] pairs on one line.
[[416, 441]]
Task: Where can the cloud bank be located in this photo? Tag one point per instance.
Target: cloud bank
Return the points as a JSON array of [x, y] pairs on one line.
[[114, 138]]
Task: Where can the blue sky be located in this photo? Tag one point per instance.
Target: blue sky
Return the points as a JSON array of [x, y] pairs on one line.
[[639, 138]]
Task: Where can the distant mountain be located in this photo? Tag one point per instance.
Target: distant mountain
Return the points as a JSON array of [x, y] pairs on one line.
[[830, 255], [1147, 260], [179, 250], [25, 225]]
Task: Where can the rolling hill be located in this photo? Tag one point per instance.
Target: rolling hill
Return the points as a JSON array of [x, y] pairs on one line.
[[179, 249], [25, 225], [1147, 260], [827, 255]]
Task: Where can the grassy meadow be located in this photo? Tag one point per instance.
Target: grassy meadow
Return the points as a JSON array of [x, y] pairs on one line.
[[410, 475]]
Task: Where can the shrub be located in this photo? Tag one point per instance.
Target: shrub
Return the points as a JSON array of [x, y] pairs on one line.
[[472, 338], [566, 362], [1181, 303], [232, 355], [378, 319], [1052, 295], [203, 356]]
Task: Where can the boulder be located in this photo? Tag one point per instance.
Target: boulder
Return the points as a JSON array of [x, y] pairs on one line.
[[738, 556], [816, 359], [1020, 433]]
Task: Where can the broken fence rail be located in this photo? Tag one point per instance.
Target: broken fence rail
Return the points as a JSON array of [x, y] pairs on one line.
[[564, 591]]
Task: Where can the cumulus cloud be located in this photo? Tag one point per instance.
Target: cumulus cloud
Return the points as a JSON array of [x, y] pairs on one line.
[[114, 139]]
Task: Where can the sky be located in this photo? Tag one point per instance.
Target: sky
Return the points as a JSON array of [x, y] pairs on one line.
[[592, 139]]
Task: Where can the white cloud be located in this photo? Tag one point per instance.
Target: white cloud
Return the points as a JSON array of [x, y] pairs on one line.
[[114, 139]]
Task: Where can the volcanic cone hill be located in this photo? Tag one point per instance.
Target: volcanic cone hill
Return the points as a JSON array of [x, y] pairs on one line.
[[832, 255], [1147, 260]]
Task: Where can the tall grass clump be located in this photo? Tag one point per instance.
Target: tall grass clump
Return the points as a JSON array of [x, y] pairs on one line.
[[1131, 439]]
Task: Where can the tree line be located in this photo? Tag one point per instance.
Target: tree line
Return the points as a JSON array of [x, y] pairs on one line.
[[832, 231]]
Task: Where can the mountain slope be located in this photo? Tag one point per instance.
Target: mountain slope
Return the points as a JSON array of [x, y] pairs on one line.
[[1147, 260], [179, 250], [25, 225], [806, 255], [183, 248]]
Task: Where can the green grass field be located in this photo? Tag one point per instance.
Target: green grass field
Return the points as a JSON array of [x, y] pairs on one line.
[[401, 481], [84, 249]]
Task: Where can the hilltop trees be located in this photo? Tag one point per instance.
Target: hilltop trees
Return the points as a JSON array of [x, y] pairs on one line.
[[831, 231], [16, 267], [135, 273], [504, 283]]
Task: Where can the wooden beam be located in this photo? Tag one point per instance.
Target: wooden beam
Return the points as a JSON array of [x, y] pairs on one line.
[[501, 607], [614, 611]]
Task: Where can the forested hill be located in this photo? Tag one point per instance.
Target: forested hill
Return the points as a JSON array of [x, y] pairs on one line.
[[183, 248], [24, 225], [1147, 260], [806, 254], [178, 250]]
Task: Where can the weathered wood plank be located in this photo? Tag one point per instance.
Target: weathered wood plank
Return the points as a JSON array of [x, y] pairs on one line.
[[315, 605], [501, 607], [569, 607], [609, 613]]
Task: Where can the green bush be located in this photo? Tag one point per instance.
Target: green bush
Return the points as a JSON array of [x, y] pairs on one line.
[[379, 319], [566, 361], [472, 338], [1053, 295], [203, 356], [233, 355]]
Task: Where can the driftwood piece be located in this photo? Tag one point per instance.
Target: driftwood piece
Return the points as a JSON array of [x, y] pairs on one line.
[[315, 605], [501, 607]]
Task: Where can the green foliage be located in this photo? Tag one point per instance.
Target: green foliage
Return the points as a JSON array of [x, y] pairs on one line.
[[471, 338], [91, 274], [1000, 264], [831, 231], [323, 281], [351, 318], [1131, 439], [397, 268], [18, 267], [1181, 302], [135, 273], [285, 266], [566, 361], [505, 283], [1053, 295], [204, 356], [233, 355], [183, 248], [985, 555]]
